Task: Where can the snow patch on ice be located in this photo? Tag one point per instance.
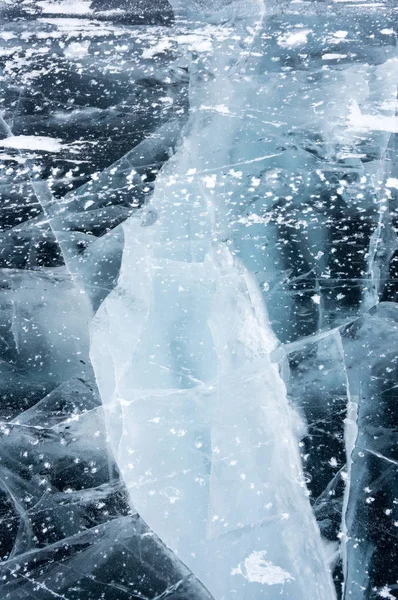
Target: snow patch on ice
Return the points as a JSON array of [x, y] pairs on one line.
[[158, 48], [295, 38], [220, 108], [71, 7], [258, 570], [195, 43], [32, 142], [331, 56], [385, 593], [392, 182], [77, 49], [340, 34], [210, 181], [7, 35]]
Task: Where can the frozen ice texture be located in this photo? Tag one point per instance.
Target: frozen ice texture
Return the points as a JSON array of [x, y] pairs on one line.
[[241, 269], [269, 178], [197, 413], [67, 527]]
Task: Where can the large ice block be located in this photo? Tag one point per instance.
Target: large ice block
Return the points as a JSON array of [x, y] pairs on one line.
[[197, 413]]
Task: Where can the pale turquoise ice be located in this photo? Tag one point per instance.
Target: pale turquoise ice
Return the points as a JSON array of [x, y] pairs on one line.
[[197, 413]]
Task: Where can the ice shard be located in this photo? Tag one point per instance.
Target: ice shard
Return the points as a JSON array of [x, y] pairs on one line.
[[196, 412], [370, 555]]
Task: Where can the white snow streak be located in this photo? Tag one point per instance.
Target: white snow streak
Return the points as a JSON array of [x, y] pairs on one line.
[[71, 7], [32, 142]]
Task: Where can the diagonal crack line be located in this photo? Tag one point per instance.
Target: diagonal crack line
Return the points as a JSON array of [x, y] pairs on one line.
[[40, 585], [379, 455]]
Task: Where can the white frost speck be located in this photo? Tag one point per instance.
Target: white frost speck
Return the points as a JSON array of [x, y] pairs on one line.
[[195, 43], [236, 174], [220, 108], [258, 570], [331, 56], [340, 34], [32, 142], [7, 35], [210, 181], [158, 48], [295, 38], [385, 593], [77, 49], [254, 219], [392, 182]]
